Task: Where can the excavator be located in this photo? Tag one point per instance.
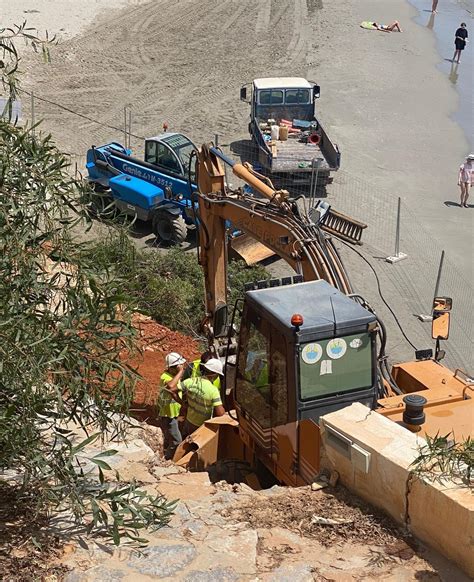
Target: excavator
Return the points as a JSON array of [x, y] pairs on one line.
[[304, 345]]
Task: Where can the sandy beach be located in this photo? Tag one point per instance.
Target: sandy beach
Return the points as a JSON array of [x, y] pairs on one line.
[[383, 99]]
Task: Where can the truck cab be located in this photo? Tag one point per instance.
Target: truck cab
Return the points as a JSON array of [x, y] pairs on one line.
[[282, 98]]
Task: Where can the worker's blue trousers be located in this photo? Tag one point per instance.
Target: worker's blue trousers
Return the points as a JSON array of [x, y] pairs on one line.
[[171, 435]]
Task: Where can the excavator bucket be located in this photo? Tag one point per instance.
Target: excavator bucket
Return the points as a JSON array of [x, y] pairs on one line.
[[247, 248], [216, 439]]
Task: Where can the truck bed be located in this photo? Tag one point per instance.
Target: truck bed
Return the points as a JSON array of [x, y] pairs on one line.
[[294, 156], [292, 152]]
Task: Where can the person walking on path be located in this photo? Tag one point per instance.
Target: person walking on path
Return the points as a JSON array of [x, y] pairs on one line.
[[460, 41], [168, 406], [466, 179], [202, 397], [434, 5]]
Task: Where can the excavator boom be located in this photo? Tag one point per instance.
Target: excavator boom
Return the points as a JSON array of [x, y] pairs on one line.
[[272, 219]]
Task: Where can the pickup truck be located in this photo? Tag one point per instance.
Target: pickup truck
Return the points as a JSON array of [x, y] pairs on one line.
[[290, 138]]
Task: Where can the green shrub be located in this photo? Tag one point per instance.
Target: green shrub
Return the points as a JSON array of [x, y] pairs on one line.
[[166, 286]]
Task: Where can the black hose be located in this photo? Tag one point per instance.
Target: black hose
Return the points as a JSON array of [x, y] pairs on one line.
[[380, 292], [234, 311], [381, 358]]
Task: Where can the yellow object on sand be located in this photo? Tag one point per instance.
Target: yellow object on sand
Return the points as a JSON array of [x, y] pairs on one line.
[[368, 25]]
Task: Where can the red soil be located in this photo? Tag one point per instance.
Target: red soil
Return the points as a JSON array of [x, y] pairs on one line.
[[155, 341]]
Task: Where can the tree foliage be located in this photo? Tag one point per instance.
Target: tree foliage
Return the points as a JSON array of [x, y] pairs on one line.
[[442, 458], [63, 324], [166, 286]]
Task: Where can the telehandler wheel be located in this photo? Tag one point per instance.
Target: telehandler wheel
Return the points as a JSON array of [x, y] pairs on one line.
[[169, 228], [102, 206]]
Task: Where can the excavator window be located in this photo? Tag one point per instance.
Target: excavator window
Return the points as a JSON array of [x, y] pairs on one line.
[[184, 154], [150, 152], [262, 375], [253, 382], [332, 366], [167, 159], [279, 386]]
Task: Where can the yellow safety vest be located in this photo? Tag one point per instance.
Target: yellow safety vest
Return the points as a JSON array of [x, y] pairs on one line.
[[167, 405], [196, 373], [202, 396]]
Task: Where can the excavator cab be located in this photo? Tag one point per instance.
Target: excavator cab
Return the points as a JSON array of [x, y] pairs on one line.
[[305, 350]]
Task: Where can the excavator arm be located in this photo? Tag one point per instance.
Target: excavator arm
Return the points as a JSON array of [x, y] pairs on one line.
[[271, 219]]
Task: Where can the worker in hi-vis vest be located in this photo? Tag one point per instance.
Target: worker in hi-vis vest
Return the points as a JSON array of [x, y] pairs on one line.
[[195, 368], [168, 407], [202, 397]]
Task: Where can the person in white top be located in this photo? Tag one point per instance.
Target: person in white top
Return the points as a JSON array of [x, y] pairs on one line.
[[466, 178]]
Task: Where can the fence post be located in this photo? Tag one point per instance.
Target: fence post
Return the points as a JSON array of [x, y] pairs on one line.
[[428, 317], [127, 125], [312, 183], [438, 278], [398, 256], [315, 165], [32, 112]]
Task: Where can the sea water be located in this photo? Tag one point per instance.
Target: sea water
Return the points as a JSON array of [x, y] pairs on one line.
[[450, 14]]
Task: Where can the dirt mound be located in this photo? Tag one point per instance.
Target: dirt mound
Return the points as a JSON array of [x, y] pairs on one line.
[[331, 516], [155, 341]]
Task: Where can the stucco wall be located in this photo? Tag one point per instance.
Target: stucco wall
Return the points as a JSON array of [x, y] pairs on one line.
[[373, 456]]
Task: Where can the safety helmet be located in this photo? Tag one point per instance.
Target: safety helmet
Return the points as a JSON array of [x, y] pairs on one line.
[[214, 365], [174, 359]]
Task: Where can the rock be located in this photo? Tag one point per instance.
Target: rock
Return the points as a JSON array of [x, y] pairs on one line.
[[217, 575], [68, 549], [163, 471], [229, 549], [136, 471], [293, 573], [186, 486], [400, 549], [102, 573], [335, 576], [275, 490], [163, 560], [194, 528], [182, 511]]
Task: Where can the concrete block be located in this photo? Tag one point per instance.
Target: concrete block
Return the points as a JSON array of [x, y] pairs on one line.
[[376, 465]]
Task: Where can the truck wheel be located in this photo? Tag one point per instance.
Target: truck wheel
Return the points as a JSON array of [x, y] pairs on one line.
[[169, 227]]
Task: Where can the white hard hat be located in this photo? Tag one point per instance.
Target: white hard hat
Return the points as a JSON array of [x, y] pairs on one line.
[[470, 157], [214, 365], [174, 359]]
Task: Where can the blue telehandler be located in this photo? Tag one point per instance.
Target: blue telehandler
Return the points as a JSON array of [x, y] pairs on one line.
[[158, 189]]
